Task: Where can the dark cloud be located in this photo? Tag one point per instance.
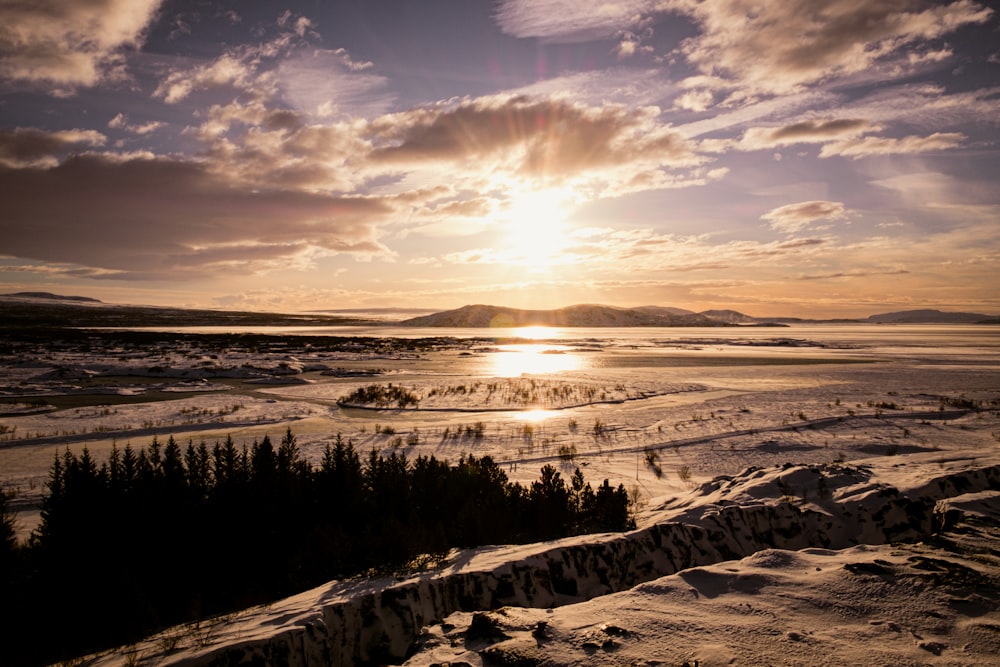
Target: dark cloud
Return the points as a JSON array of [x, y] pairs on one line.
[[543, 136], [172, 219], [806, 131], [68, 43], [811, 130], [22, 146]]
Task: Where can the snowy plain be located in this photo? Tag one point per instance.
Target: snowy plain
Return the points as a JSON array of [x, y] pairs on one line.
[[664, 412]]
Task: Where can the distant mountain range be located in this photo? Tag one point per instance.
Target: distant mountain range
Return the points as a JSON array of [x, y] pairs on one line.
[[933, 316], [573, 316], [52, 297], [44, 309], [590, 315]]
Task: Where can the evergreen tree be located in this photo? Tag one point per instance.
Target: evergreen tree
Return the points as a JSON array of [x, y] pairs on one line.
[[199, 475], [611, 509], [8, 535], [550, 504], [264, 524]]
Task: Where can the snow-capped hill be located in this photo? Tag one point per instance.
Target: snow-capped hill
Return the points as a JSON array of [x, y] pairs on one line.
[[729, 316], [584, 315], [931, 316], [664, 310]]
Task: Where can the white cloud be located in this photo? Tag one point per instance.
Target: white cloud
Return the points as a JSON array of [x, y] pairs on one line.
[[569, 20], [793, 218], [624, 85], [779, 47], [926, 106], [121, 122], [630, 44], [248, 68], [238, 70], [330, 84], [299, 24], [695, 100], [865, 146]]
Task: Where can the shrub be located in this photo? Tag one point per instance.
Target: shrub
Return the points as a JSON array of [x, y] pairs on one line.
[[381, 396]]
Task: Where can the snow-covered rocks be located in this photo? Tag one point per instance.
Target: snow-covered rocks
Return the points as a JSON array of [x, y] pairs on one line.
[[732, 539]]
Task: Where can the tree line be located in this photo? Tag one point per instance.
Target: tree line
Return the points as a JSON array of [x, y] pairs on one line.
[[163, 534]]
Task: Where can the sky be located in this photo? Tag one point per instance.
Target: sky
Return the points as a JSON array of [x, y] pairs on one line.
[[819, 158]]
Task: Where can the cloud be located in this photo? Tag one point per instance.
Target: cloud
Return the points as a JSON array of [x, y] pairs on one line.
[[120, 122], [602, 252], [299, 24], [477, 145], [927, 106], [695, 100], [67, 44], [238, 69], [792, 218], [538, 138], [330, 84], [30, 147], [174, 219], [637, 87], [631, 44], [321, 82], [922, 190], [249, 68], [265, 147], [807, 131], [779, 47], [865, 146], [754, 48], [853, 274], [569, 20], [786, 106]]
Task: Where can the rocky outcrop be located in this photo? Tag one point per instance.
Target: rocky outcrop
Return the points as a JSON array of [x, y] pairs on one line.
[[788, 507]]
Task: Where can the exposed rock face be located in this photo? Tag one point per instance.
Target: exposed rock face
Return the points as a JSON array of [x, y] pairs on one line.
[[789, 507]]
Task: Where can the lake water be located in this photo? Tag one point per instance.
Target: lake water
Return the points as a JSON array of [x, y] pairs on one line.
[[545, 350], [905, 335]]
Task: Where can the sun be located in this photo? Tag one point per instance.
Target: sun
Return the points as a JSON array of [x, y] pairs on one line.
[[535, 227]]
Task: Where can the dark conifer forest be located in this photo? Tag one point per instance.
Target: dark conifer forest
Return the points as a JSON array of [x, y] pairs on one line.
[[165, 534]]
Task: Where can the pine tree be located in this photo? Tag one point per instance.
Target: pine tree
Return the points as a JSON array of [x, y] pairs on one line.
[[8, 534], [550, 502]]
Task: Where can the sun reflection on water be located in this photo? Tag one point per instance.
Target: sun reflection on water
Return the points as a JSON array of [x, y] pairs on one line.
[[535, 332], [533, 358]]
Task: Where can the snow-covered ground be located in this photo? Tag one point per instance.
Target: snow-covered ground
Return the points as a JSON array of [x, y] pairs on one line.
[[663, 415], [874, 565]]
